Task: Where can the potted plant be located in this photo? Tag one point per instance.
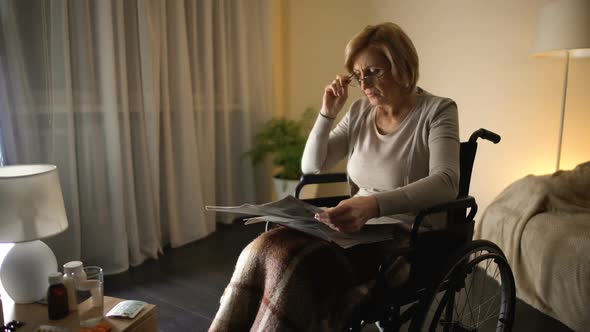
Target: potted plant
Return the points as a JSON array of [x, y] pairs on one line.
[[283, 140]]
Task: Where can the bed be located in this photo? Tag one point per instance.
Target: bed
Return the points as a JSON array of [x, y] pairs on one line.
[[542, 223]]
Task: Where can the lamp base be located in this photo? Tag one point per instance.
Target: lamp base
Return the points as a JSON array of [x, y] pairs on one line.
[[25, 270]]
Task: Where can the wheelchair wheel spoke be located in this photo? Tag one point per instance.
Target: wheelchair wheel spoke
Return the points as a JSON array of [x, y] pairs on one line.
[[494, 278], [490, 300], [479, 305], [482, 308], [470, 310], [468, 292], [483, 291], [476, 294], [472, 277], [487, 319]]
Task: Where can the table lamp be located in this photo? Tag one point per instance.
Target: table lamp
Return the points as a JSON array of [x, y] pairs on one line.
[[563, 29], [31, 208]]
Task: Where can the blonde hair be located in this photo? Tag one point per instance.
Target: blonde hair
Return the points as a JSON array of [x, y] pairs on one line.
[[389, 39]]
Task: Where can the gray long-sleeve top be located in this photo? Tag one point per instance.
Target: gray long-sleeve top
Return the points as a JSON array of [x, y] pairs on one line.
[[415, 167]]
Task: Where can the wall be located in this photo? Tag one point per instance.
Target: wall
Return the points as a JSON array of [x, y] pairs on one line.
[[474, 51]]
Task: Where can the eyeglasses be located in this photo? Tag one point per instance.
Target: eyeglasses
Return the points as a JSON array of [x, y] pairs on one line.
[[372, 74]]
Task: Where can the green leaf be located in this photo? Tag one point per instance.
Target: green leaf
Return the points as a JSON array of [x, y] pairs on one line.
[[283, 140]]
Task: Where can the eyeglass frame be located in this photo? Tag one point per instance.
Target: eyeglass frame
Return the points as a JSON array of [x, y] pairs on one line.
[[356, 82]]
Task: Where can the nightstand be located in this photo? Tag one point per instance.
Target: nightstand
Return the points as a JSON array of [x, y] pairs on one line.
[[35, 315]]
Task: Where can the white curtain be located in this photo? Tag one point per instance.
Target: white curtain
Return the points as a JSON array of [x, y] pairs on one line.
[[145, 106]]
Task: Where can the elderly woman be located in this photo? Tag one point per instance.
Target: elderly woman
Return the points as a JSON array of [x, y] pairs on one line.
[[402, 146]]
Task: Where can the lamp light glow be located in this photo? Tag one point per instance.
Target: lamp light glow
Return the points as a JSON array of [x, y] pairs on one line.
[[563, 30]]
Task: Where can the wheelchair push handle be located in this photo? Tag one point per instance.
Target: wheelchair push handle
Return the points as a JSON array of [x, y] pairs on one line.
[[485, 134]]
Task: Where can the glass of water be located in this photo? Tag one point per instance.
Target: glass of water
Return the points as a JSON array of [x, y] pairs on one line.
[[90, 297]]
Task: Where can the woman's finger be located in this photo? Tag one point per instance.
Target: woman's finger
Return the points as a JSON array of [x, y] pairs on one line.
[[322, 216], [343, 223], [331, 88], [338, 210], [343, 81], [326, 221], [338, 88]]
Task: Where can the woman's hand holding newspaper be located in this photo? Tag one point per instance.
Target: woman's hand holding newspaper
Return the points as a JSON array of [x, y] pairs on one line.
[[350, 215]]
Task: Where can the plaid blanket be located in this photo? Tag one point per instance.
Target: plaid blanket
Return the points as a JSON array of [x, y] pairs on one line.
[[286, 280]]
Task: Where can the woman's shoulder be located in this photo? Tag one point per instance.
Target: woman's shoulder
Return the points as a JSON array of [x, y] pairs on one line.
[[429, 100], [359, 109], [432, 105]]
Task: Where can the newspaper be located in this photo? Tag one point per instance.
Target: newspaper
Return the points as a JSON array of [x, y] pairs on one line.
[[294, 213]]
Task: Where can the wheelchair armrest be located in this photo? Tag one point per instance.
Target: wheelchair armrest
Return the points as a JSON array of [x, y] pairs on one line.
[[319, 178], [323, 178], [459, 203]]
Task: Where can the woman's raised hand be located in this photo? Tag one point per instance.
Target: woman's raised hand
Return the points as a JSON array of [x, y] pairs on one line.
[[335, 95]]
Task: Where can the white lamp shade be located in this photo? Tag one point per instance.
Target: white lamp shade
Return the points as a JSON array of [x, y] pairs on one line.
[[563, 25], [31, 203]]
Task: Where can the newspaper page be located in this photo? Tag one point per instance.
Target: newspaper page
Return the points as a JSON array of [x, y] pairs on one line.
[[368, 234], [288, 207], [294, 213]]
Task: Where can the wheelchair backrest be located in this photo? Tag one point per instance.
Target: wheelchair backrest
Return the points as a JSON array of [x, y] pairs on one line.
[[466, 159], [459, 223]]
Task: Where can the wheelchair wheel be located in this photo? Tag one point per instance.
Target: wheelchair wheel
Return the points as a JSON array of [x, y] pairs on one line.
[[474, 292]]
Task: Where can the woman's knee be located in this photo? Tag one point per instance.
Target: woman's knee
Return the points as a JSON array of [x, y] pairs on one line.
[[267, 246]]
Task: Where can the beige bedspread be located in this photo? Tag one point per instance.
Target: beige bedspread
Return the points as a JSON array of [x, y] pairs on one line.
[[542, 223]]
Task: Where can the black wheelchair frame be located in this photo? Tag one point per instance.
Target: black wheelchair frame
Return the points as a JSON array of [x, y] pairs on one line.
[[446, 267]]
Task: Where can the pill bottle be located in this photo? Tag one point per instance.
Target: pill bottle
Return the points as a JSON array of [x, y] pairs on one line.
[[57, 297], [73, 275]]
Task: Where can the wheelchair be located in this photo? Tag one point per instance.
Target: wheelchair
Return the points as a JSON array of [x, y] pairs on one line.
[[456, 284]]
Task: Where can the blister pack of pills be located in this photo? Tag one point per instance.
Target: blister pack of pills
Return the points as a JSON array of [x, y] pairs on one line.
[[127, 309]]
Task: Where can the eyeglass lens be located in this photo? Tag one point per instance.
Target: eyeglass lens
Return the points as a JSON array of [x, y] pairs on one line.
[[355, 79]]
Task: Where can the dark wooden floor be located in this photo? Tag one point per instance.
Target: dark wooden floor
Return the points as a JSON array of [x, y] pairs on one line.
[[186, 283]]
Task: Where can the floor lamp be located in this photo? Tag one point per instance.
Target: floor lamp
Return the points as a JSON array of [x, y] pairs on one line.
[[563, 29]]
